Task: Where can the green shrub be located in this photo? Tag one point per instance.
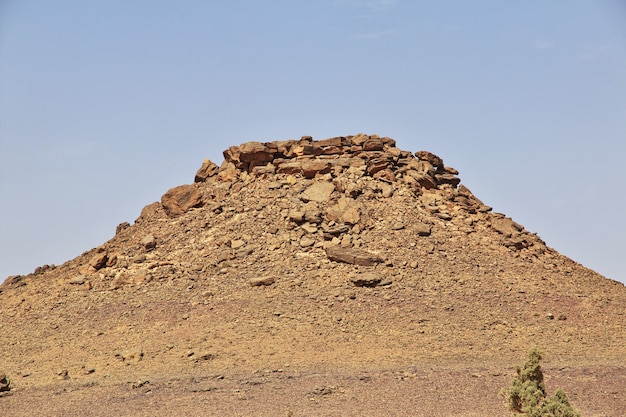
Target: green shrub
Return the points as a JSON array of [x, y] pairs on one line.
[[557, 406], [527, 393]]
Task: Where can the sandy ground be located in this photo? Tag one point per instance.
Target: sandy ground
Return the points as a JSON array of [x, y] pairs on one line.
[[596, 391]]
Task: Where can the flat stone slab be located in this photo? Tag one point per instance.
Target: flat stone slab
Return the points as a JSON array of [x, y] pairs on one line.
[[352, 256]]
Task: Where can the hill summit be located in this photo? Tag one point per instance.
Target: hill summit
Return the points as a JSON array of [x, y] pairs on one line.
[[306, 255]]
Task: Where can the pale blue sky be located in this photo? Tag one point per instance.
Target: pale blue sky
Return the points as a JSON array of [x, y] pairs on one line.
[[104, 105]]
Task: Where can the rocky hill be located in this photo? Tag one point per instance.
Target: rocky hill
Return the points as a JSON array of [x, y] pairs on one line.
[[344, 256]]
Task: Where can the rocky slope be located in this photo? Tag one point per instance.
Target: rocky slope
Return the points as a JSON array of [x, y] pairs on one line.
[[309, 256]]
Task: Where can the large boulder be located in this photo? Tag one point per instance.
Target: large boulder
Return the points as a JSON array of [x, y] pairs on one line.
[[255, 152], [178, 200]]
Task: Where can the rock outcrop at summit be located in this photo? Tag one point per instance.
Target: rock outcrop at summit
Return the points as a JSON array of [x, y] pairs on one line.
[[345, 162], [369, 155]]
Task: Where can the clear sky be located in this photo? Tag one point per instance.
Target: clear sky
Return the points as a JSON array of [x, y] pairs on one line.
[[104, 105]]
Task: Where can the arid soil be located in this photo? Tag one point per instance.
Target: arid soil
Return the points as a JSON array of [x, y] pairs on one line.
[[311, 278]]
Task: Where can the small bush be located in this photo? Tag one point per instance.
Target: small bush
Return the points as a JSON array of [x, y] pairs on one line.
[[527, 393], [557, 406]]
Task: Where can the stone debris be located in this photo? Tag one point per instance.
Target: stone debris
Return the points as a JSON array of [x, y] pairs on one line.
[[78, 280], [131, 357], [346, 211], [367, 279], [318, 192], [262, 281], [149, 242], [377, 157], [352, 256], [63, 375], [121, 227], [99, 260]]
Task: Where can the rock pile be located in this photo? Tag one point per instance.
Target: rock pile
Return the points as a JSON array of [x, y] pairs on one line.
[[369, 154], [353, 156], [326, 190], [344, 162], [343, 195]]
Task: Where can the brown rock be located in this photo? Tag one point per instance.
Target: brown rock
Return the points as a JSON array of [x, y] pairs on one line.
[[78, 280], [292, 168], [262, 281], [306, 242], [333, 150], [232, 155], [208, 169], [385, 189], [366, 279], [263, 169], [121, 279], [149, 242], [373, 144], [228, 172], [99, 260], [359, 139], [338, 141], [179, 200], [421, 229], [352, 256], [377, 164], [506, 226], [296, 216], [347, 162], [255, 152], [132, 356], [312, 213], [434, 160], [516, 243], [310, 168], [447, 179], [63, 374], [150, 212], [311, 149], [112, 261], [385, 175], [237, 243], [389, 142], [319, 192], [347, 210], [422, 179], [121, 227], [422, 166], [336, 230]]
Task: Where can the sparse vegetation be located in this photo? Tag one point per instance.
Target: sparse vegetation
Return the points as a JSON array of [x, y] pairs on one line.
[[527, 393]]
